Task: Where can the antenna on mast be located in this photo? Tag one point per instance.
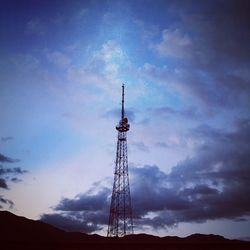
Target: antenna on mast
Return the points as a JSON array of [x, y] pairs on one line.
[[123, 125], [122, 101]]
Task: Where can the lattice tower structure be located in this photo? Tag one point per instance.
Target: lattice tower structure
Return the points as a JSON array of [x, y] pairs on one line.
[[120, 216]]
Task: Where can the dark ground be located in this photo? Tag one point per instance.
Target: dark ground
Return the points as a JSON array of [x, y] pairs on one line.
[[20, 233]]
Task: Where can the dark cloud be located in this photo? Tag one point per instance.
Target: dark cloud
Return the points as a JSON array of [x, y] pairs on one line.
[[16, 180], [4, 158], [16, 170], [85, 213], [6, 174], [85, 202], [225, 29], [6, 202], [213, 184], [221, 163], [3, 183], [209, 49], [204, 187], [152, 193]]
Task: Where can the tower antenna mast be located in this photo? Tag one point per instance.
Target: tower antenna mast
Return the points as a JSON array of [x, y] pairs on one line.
[[122, 101], [120, 215]]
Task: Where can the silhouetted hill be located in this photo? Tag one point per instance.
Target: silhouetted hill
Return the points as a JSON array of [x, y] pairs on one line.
[[20, 228], [21, 233]]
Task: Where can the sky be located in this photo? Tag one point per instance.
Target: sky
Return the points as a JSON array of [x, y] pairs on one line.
[[185, 66]]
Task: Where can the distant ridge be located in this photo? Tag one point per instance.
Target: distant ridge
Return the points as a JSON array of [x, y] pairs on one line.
[[17, 228], [18, 232]]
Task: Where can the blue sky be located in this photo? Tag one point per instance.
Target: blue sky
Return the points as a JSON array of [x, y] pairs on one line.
[[185, 65]]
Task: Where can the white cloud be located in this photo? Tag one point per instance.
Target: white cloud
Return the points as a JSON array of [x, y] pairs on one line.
[[174, 44], [111, 52], [101, 70]]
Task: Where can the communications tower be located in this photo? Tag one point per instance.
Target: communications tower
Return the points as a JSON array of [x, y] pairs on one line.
[[120, 216]]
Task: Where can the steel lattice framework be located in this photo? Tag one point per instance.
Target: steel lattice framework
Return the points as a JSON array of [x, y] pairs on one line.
[[120, 217]]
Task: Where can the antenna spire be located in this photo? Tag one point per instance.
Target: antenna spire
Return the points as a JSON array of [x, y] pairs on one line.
[[122, 101]]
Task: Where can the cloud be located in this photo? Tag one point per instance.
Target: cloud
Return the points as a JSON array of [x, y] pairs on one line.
[[6, 202], [3, 184], [174, 44], [207, 55], [215, 35], [15, 170], [152, 193], [6, 159], [16, 180], [5, 175], [85, 202], [203, 187], [101, 70], [111, 58], [221, 164], [85, 213], [111, 51]]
